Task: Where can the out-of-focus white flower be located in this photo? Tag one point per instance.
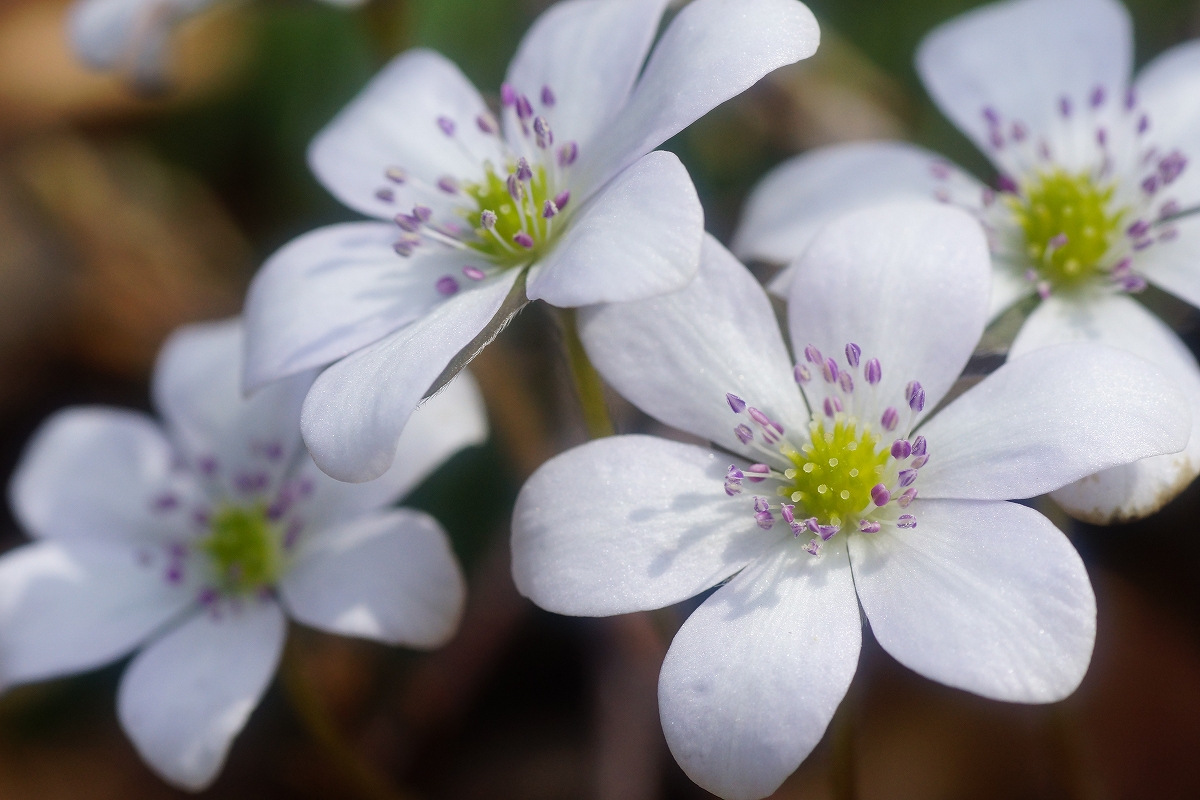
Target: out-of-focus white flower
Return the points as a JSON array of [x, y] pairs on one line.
[[1094, 193], [190, 543], [561, 199], [812, 496]]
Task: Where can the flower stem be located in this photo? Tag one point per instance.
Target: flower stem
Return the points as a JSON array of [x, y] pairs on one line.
[[587, 381], [367, 781]]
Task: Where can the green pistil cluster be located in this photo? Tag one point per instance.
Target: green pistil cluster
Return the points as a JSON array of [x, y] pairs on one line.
[[1068, 226], [244, 548], [492, 194], [834, 473]]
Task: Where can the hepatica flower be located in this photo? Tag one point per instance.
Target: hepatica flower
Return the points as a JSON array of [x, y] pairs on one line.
[[189, 544], [558, 197], [831, 478], [1097, 185]]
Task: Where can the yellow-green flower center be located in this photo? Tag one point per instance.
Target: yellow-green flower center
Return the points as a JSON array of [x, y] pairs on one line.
[[499, 243], [244, 547], [1069, 226], [835, 472]]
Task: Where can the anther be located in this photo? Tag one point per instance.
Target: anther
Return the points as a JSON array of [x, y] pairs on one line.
[[918, 446], [868, 526], [802, 374], [890, 419], [846, 382], [901, 449], [813, 548], [508, 95], [765, 520], [567, 154], [853, 353], [524, 108], [385, 195], [447, 125], [906, 521], [524, 239], [474, 273], [737, 404], [906, 477], [789, 512], [880, 495], [448, 185], [423, 213], [515, 190], [872, 372], [832, 406], [744, 434], [395, 175], [447, 285], [524, 172], [487, 219], [813, 355], [830, 370], [545, 136], [561, 199], [919, 462], [757, 473], [905, 499], [548, 98], [761, 504], [549, 210], [487, 123], [1064, 106], [1098, 95], [915, 395]]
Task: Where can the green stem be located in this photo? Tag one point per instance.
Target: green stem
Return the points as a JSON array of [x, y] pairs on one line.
[[367, 782], [587, 381]]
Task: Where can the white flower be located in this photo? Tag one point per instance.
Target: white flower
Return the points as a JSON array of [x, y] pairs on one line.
[[819, 505], [561, 200], [1093, 171], [133, 36], [190, 542]]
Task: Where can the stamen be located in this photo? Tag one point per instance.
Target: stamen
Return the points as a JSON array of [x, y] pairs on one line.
[[487, 123], [548, 98], [447, 285], [524, 239], [906, 521], [474, 273], [524, 108], [901, 449], [801, 374], [395, 175], [567, 154], [447, 125], [872, 372], [757, 473], [813, 355], [918, 446], [744, 434], [508, 95], [830, 370], [545, 136], [561, 199], [880, 495], [915, 395], [868, 526], [853, 353], [737, 404], [890, 419]]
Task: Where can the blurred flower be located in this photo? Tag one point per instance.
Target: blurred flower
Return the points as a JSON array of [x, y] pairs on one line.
[[1095, 194], [821, 503], [560, 200], [189, 541]]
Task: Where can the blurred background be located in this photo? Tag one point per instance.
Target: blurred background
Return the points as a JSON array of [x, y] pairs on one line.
[[125, 214]]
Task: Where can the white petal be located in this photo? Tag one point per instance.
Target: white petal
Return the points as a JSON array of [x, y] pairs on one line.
[[355, 412], [907, 281], [1168, 89], [712, 51], [184, 698], [639, 237], [1021, 57], [98, 473], [1133, 490], [390, 576], [1175, 265], [71, 607], [1049, 418], [452, 419], [676, 356], [789, 206], [1008, 286], [589, 52], [629, 523], [394, 123], [755, 674], [984, 596], [333, 291], [197, 389]]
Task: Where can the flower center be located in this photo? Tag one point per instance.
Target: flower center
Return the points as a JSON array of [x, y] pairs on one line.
[[1069, 226], [244, 548], [512, 211], [835, 470]]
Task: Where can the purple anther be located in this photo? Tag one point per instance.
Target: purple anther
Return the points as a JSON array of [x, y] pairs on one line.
[[403, 247], [1044, 290], [567, 154], [868, 526], [408, 222], [447, 125], [385, 195], [207, 466], [174, 574], [906, 521], [447, 285], [548, 98], [732, 489], [561, 199], [1138, 229], [744, 434], [919, 445], [1168, 209], [1142, 244], [765, 520], [939, 170], [515, 189], [207, 596], [252, 482], [987, 196], [1019, 132], [395, 175], [1172, 167], [1006, 184], [942, 196], [524, 108], [830, 370], [813, 525], [1098, 96], [914, 393], [853, 354], [549, 210], [165, 502], [991, 116], [890, 419], [789, 512], [829, 531], [1134, 284], [545, 136], [813, 355], [524, 239], [1143, 124], [1168, 234], [763, 419], [737, 404], [919, 461], [524, 171], [1064, 106], [1101, 137], [474, 273], [801, 373], [1130, 99], [797, 529], [508, 95], [873, 372], [907, 477], [757, 473], [487, 219], [733, 474], [901, 449], [880, 495], [997, 139], [846, 382], [832, 406], [423, 213], [1057, 242], [448, 185], [906, 499], [813, 548], [487, 123], [761, 504]]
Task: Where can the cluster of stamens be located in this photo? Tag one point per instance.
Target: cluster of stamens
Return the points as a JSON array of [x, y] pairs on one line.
[[1080, 216], [505, 220], [841, 476]]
